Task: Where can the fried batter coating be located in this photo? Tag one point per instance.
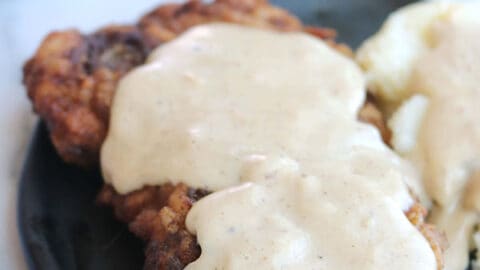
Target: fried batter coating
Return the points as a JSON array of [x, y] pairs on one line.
[[166, 22], [72, 77], [370, 113], [157, 215], [437, 239], [71, 80]]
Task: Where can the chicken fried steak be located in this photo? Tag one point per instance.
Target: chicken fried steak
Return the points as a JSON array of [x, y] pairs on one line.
[[71, 81], [72, 77]]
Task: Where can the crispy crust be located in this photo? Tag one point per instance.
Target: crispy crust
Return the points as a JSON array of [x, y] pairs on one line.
[[157, 215], [71, 81], [437, 239], [166, 22], [370, 113], [72, 77]]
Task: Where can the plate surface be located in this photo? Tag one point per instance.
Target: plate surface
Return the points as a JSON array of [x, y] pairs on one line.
[[61, 226]]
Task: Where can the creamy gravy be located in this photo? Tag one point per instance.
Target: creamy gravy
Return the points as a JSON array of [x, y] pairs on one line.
[[269, 120], [338, 220], [444, 70]]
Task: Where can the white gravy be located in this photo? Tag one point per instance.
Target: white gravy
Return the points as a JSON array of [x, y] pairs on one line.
[[269, 121], [444, 69]]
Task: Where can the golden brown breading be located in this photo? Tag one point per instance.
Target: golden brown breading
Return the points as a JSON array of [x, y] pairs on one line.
[[370, 113], [157, 215], [72, 77], [437, 239], [71, 80], [166, 22]]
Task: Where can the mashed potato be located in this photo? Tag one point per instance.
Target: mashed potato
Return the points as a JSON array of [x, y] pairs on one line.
[[424, 66]]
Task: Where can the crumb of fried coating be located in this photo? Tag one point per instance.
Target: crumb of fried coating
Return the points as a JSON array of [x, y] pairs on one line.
[[157, 215], [71, 81]]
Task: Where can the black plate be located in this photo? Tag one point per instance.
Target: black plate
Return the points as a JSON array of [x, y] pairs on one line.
[[60, 225]]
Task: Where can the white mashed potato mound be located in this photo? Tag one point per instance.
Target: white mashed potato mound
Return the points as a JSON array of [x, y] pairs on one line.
[[424, 68], [388, 57], [406, 122]]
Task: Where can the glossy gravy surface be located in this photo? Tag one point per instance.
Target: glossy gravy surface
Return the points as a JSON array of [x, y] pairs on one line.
[[269, 121]]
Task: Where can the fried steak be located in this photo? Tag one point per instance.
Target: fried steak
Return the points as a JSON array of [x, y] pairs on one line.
[[72, 77], [71, 81]]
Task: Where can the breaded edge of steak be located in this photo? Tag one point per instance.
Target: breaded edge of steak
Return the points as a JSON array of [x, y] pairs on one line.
[[72, 77], [71, 81], [157, 215]]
